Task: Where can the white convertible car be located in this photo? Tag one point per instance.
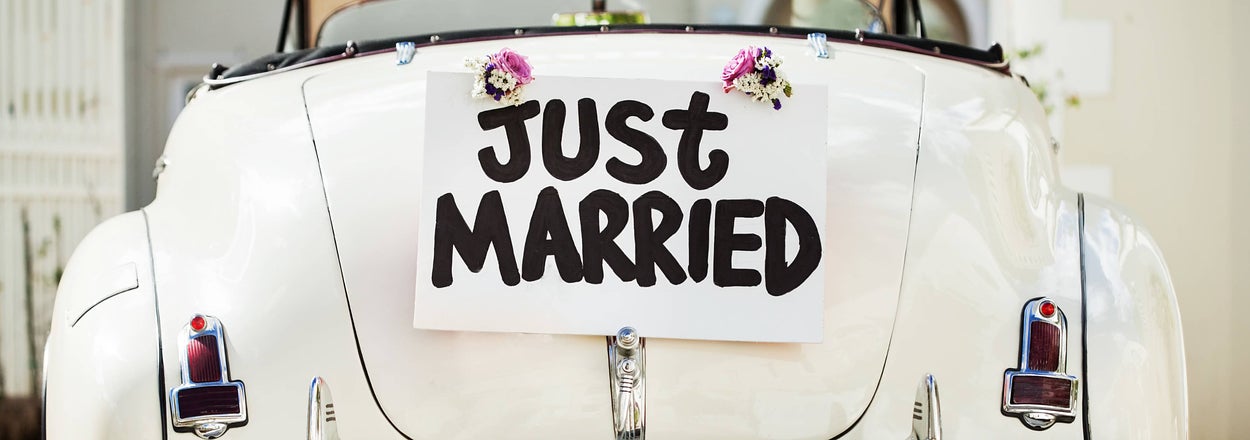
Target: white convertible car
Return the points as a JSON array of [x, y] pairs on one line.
[[793, 219]]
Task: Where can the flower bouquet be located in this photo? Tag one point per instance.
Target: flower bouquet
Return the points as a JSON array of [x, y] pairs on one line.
[[754, 71], [500, 76]]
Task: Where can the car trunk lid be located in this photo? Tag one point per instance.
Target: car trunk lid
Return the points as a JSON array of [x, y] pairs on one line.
[[367, 117]]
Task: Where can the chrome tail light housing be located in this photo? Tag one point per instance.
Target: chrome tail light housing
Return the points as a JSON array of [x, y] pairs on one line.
[[1040, 392], [207, 402]]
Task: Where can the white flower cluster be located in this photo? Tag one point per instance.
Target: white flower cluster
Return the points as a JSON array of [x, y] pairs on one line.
[[501, 82], [751, 83]]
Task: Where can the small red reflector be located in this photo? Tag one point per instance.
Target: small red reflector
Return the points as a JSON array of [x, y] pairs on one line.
[[1037, 390], [198, 323], [1048, 309]]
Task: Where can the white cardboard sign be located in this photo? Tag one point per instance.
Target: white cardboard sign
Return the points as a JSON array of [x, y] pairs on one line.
[[700, 216]]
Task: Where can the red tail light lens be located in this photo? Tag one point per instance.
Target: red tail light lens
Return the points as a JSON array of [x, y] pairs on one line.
[[1043, 346], [1039, 390], [203, 361], [208, 401]]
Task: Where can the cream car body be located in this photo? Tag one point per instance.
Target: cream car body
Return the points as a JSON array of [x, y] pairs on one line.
[[285, 212]]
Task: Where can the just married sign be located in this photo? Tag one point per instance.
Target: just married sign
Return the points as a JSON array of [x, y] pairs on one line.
[[594, 204]]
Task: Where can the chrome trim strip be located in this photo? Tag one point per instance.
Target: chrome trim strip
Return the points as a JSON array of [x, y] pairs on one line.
[[926, 423], [1035, 416], [322, 421], [210, 426], [350, 51], [1080, 221], [156, 313], [627, 376]]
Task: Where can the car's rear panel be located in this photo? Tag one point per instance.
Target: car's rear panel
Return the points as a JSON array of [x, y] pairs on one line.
[[277, 184], [367, 119]]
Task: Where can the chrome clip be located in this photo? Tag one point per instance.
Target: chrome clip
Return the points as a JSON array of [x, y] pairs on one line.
[[322, 423], [926, 416], [818, 41], [627, 372], [161, 163], [404, 51]]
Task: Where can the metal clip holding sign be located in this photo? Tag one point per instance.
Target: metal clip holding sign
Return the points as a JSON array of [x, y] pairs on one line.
[[819, 43], [627, 372], [404, 51]]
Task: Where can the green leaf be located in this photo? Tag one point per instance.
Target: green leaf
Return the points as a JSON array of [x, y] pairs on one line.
[[1073, 101], [787, 90]]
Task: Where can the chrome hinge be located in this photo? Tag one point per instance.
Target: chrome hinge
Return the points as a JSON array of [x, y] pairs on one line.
[[627, 372], [926, 416]]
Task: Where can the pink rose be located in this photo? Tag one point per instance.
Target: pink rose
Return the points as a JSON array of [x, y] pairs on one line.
[[513, 64], [741, 64]]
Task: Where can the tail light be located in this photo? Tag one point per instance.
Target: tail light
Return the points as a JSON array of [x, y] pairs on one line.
[[207, 402], [1040, 392]]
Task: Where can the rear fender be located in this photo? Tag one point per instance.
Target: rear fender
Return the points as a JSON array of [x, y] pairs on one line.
[[102, 359], [1136, 371]]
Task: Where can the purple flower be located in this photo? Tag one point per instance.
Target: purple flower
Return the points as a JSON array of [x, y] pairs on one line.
[[513, 64], [739, 65], [767, 75], [776, 104]]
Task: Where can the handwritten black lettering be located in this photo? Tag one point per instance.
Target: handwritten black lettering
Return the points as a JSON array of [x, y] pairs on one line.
[[490, 228], [779, 278], [726, 242], [653, 158], [692, 122], [548, 221], [512, 118], [598, 243], [559, 166], [649, 249], [700, 216]]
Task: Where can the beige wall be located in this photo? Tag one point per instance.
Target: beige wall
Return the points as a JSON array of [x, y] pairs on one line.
[[1173, 130], [1239, 113]]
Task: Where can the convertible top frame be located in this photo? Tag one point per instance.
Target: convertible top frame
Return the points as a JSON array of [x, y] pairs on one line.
[[220, 76], [302, 19]]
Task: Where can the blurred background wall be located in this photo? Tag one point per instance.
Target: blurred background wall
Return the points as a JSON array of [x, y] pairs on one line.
[[1166, 135], [1144, 96], [62, 148]]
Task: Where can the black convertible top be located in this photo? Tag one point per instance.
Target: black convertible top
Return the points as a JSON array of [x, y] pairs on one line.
[[220, 76]]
